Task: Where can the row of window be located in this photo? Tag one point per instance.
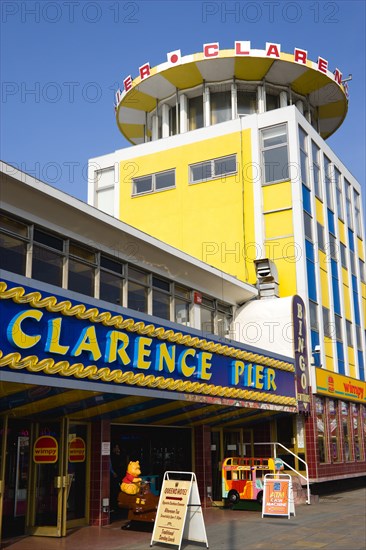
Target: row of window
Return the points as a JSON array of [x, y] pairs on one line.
[[274, 158], [198, 172], [37, 253], [313, 162], [341, 431]]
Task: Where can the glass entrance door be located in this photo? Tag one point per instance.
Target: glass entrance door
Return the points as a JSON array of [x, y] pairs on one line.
[[48, 480], [77, 511], [3, 430]]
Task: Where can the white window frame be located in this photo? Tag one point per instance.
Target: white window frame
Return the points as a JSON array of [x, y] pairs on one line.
[[153, 183], [212, 164]]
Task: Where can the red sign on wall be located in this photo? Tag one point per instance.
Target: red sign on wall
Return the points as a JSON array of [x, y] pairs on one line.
[[45, 450], [77, 450]]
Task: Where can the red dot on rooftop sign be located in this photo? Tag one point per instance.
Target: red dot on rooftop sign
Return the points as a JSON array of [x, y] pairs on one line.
[[174, 58]]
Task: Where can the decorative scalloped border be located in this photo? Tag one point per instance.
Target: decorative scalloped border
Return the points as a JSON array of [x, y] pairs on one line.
[[92, 372]]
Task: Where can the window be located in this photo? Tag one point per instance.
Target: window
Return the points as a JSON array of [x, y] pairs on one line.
[[275, 154], [328, 182], [349, 204], [111, 280], [14, 236], [48, 257], [208, 315], [320, 231], [358, 222], [321, 430], [362, 270], [82, 263], [357, 432], [224, 319], [195, 112], [173, 121], [346, 432], [304, 158], [212, 169], [343, 255], [337, 176], [137, 289], [154, 182], [316, 170], [327, 324], [247, 102], [272, 102], [314, 324], [349, 334], [308, 224], [161, 297], [182, 301], [220, 107], [334, 433]]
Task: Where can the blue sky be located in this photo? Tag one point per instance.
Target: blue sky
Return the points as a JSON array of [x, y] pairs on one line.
[[62, 61]]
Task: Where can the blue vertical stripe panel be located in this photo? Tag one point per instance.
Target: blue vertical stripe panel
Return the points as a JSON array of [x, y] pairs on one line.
[[306, 199], [309, 251], [310, 268], [340, 354], [361, 365], [351, 240], [335, 285], [314, 343], [355, 300], [331, 225]]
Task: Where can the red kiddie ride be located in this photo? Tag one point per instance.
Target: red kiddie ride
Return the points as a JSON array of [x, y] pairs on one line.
[[242, 478]]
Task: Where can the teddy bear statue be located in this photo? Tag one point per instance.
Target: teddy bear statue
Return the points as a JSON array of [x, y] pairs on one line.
[[131, 482]]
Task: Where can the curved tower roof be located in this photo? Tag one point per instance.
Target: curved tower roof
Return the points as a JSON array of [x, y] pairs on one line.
[[321, 89]]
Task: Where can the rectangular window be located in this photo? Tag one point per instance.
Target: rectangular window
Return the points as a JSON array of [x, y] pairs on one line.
[[361, 264], [137, 289], [212, 169], [349, 203], [343, 255], [334, 430], [82, 263], [338, 183], [308, 225], [349, 334], [154, 182], [275, 154], [220, 107], [346, 432], [195, 112], [357, 432], [207, 315], [104, 189], [328, 326], [111, 280], [316, 170], [314, 323], [224, 319], [320, 231], [182, 301], [48, 257], [161, 297], [338, 327], [14, 237], [328, 182], [304, 158], [321, 430], [358, 223], [247, 102]]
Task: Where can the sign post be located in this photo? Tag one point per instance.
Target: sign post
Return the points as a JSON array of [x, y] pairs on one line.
[[179, 513], [278, 498]]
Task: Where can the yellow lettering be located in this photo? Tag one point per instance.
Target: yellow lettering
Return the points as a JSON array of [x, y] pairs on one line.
[[204, 365], [270, 383], [258, 377], [88, 342], [15, 334], [141, 343], [53, 337], [165, 356], [183, 368], [113, 348]]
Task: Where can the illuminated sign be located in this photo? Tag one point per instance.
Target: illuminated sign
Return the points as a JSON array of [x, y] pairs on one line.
[[52, 336], [241, 49], [45, 450], [340, 386], [301, 354]]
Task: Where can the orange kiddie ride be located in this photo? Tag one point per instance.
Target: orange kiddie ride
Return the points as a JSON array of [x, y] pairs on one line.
[[136, 496], [242, 478]]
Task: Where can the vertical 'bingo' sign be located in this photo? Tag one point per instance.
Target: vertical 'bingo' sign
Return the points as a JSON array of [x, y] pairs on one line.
[[179, 513]]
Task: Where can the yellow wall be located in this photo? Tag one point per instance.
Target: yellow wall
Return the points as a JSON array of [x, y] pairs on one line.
[[204, 219]]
